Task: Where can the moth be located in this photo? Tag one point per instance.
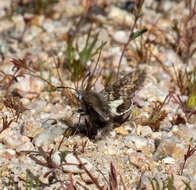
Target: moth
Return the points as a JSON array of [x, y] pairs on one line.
[[111, 106]]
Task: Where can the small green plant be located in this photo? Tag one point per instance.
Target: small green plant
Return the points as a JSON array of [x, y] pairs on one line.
[[157, 115], [42, 6], [108, 80], [78, 66], [191, 103], [41, 69], [29, 182], [186, 83], [169, 184], [33, 6]]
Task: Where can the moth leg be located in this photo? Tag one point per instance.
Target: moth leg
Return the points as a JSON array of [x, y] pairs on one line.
[[82, 113]]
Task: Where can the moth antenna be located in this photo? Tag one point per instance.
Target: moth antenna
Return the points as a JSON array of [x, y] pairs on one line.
[[90, 85], [91, 74], [58, 73], [83, 81], [76, 84], [97, 77], [97, 63]]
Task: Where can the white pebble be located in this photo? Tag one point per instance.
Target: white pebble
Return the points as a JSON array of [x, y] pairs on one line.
[[168, 160], [56, 158], [121, 36]]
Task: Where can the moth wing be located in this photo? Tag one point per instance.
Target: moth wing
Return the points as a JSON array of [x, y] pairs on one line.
[[119, 95]]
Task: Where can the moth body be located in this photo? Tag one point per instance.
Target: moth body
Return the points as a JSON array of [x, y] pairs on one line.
[[113, 104]]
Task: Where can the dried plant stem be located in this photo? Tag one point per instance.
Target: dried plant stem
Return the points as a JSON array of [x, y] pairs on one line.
[[122, 182], [88, 173], [189, 153], [137, 16], [125, 47]]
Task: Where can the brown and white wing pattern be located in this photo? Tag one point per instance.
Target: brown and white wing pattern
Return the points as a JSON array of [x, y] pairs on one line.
[[119, 95]]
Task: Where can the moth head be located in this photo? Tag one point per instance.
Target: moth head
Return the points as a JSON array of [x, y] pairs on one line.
[[79, 95]]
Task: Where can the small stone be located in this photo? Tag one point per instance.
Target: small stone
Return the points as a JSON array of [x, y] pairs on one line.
[[43, 139], [111, 151], [121, 36], [29, 87], [5, 133], [25, 101], [168, 160], [49, 26], [166, 148], [146, 131], [56, 158], [28, 146], [19, 22], [85, 177], [33, 33], [51, 132], [178, 151], [156, 135], [142, 144], [120, 16], [75, 168], [121, 131], [7, 154], [11, 141], [184, 133], [1, 106], [166, 6], [140, 161], [33, 128]]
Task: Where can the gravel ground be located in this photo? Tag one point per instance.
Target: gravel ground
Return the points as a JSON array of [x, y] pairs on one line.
[[158, 140]]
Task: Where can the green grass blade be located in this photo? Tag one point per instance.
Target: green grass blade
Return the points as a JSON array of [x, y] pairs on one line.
[[187, 186], [170, 183], [108, 80], [99, 48], [37, 185], [138, 33], [26, 180], [41, 68], [69, 54], [86, 53]]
